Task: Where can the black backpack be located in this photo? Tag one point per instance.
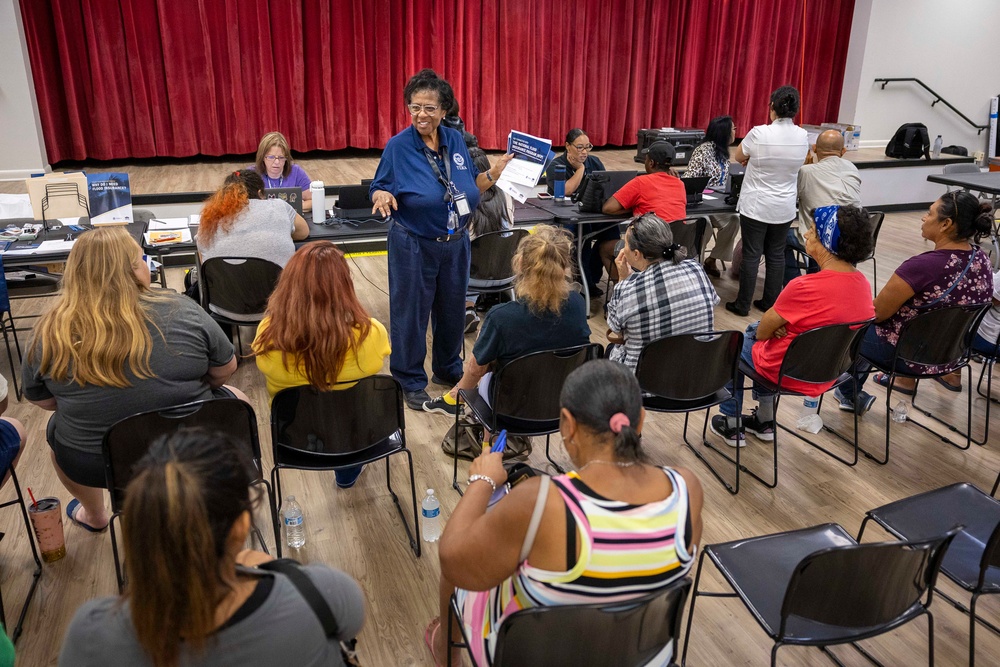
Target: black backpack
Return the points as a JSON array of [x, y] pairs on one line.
[[911, 141]]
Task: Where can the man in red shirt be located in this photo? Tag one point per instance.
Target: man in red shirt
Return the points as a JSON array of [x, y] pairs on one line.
[[658, 190]]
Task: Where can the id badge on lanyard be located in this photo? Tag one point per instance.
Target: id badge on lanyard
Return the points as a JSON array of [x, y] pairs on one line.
[[458, 207]]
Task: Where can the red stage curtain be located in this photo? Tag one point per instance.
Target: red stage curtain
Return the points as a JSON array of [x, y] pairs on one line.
[[142, 78]]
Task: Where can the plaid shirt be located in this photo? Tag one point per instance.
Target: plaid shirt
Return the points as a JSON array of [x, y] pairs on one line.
[[663, 300]]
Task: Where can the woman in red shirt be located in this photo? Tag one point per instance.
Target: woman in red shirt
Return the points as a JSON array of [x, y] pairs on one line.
[[838, 293]]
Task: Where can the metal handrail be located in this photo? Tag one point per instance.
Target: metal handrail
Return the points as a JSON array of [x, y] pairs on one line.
[[948, 104]]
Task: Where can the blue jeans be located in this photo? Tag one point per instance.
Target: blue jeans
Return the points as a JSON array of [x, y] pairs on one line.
[[734, 406], [983, 346], [427, 280], [876, 349]]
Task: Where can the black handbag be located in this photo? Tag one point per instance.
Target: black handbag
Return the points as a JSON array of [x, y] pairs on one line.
[[591, 193]]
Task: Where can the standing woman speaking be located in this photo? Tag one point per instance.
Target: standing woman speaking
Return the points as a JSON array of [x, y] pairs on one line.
[[429, 186], [773, 154]]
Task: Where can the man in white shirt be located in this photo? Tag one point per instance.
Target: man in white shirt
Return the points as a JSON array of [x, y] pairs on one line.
[[830, 179], [773, 154]]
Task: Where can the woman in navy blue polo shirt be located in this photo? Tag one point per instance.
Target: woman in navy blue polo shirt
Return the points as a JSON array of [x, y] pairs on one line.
[[429, 185]]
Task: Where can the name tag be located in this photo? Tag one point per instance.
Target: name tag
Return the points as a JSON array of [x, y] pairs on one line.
[[462, 205]]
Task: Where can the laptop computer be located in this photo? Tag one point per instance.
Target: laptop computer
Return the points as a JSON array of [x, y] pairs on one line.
[[613, 180], [726, 187], [694, 187], [353, 203], [291, 195]]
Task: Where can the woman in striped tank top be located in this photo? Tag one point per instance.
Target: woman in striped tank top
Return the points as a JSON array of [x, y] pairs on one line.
[[615, 529]]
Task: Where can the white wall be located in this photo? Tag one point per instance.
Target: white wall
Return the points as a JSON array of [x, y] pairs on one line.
[[20, 130], [951, 45]]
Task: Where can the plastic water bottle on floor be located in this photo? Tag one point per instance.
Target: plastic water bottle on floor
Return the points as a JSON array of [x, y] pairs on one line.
[[810, 420], [295, 528], [899, 412], [430, 510]]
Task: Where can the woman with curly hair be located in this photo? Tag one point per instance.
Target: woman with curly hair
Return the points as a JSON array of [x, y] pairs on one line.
[[316, 332], [238, 222], [837, 294], [545, 315]]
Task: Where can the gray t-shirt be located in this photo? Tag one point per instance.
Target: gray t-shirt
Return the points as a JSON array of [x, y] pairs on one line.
[[191, 342], [262, 230], [283, 630]]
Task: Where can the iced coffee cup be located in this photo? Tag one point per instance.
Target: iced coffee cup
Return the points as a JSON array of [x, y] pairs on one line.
[[46, 518]]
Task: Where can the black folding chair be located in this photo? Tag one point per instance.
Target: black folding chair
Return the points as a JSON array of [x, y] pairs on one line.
[[525, 396], [688, 233], [877, 218], [239, 285], [329, 430], [690, 372], [817, 356], [490, 270], [973, 559], [129, 439], [616, 634], [819, 587], [937, 338], [989, 361], [36, 574]]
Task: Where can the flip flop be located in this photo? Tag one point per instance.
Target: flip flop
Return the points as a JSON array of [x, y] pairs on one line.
[[948, 386], [71, 510], [883, 379], [429, 634]]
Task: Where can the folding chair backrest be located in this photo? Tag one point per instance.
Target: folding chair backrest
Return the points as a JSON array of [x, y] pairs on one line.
[[340, 421], [528, 387], [876, 218], [238, 284], [129, 439], [688, 232], [991, 554], [863, 585], [939, 337], [822, 354], [687, 367], [608, 635], [492, 254]]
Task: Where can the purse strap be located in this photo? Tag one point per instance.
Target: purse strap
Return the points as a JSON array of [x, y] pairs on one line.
[[972, 256], [308, 590]]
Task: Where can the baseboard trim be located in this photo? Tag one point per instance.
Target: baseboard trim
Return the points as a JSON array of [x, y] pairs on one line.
[[21, 174]]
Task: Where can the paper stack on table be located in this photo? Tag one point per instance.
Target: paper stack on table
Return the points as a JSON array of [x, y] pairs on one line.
[[531, 156], [167, 236]]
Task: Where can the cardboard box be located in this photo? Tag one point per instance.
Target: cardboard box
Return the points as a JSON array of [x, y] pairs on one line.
[[851, 132], [64, 201]]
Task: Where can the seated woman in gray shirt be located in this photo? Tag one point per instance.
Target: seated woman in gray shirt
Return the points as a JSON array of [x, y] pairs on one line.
[[110, 347], [238, 222], [195, 597]]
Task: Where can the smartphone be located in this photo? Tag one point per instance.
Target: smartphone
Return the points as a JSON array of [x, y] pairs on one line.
[[544, 195]]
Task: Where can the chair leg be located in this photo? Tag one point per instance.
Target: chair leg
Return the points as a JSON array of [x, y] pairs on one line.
[[275, 499], [549, 457], [927, 413], [454, 613], [694, 599], [808, 441], [888, 425], [454, 468], [414, 542], [972, 629], [256, 529], [119, 574], [930, 639], [37, 573], [10, 357], [732, 488]]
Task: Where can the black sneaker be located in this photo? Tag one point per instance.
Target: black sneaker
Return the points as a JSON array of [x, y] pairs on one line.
[[862, 403], [734, 437], [415, 399], [440, 406], [759, 305], [444, 382], [471, 321], [762, 430], [731, 307]]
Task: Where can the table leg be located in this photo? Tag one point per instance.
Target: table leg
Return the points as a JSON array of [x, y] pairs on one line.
[[579, 266]]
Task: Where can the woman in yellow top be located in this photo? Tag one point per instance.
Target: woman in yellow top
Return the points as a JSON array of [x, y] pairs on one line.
[[316, 332]]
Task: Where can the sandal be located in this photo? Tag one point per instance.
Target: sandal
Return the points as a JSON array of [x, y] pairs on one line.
[[947, 385], [883, 379], [71, 511], [429, 635]]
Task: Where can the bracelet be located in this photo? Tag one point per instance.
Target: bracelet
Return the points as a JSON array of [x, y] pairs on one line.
[[476, 478], [489, 177]]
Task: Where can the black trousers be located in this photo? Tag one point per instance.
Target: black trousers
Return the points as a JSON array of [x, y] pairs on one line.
[[761, 238]]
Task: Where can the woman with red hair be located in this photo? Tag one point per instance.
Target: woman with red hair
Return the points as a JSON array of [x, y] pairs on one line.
[[316, 332]]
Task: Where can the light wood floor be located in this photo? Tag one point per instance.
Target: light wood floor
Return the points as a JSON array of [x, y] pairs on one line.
[[359, 531]]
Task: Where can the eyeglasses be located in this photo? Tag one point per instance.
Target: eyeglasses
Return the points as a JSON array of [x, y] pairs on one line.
[[275, 158], [429, 109], [583, 147]]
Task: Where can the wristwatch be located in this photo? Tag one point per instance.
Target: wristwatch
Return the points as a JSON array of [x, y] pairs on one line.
[[489, 177]]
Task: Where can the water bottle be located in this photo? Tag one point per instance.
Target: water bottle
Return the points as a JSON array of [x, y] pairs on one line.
[[430, 509], [295, 529], [559, 183], [810, 420], [899, 412], [319, 202], [936, 152]]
